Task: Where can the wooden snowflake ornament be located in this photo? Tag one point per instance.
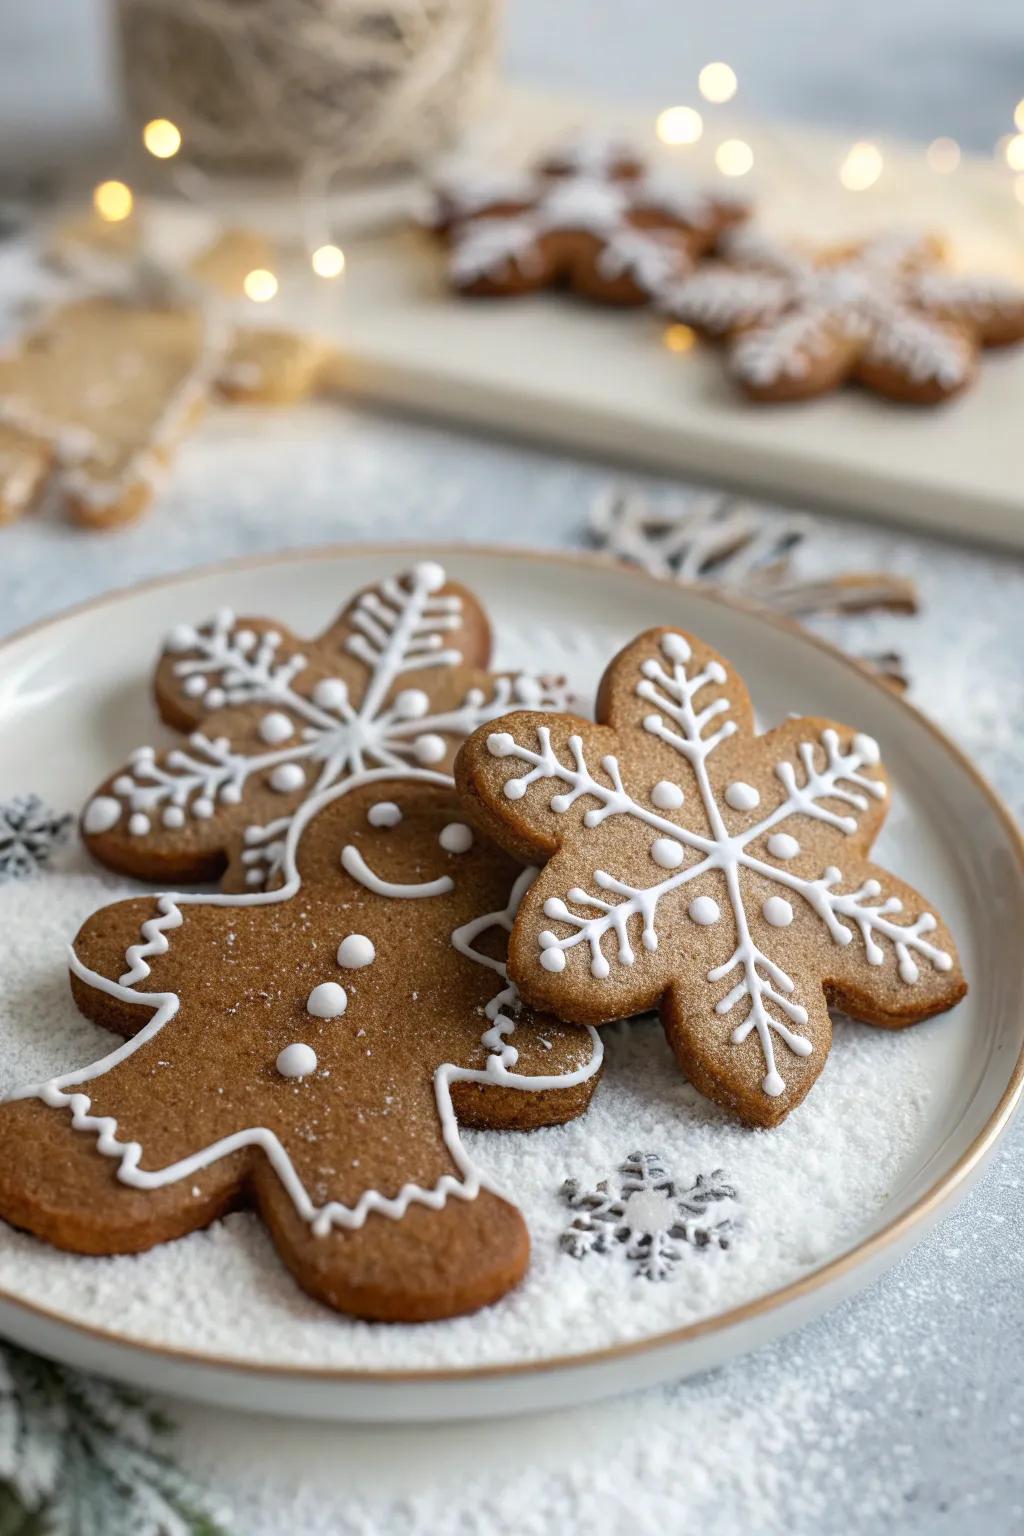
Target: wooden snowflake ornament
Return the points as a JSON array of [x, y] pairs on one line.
[[886, 314], [717, 874], [311, 1052]]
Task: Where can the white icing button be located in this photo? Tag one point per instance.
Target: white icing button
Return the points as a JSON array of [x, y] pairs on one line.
[[297, 1060], [676, 648], [181, 638], [867, 748], [430, 575], [456, 837], [327, 1001], [275, 728], [704, 911], [194, 686], [666, 796], [330, 693], [173, 817], [552, 959], [355, 951], [287, 777], [429, 748], [203, 808], [742, 797], [411, 704], [667, 852], [778, 912], [384, 814], [782, 846], [138, 825], [216, 698], [101, 814]]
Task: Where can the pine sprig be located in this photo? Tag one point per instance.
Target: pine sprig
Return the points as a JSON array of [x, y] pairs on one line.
[[84, 1457]]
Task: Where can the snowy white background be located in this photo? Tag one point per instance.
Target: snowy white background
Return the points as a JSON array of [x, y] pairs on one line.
[[905, 1408]]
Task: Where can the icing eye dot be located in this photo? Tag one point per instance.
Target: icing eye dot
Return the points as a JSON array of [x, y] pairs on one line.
[[667, 852], [181, 638], [327, 1001], [552, 959], [101, 814], [456, 837], [777, 911], [782, 846], [330, 693], [138, 825], [867, 749], [741, 796], [296, 1060], [666, 796], [384, 814], [704, 910], [500, 744], [275, 728], [429, 575], [173, 817], [355, 951], [429, 748], [411, 704], [287, 777], [676, 648]]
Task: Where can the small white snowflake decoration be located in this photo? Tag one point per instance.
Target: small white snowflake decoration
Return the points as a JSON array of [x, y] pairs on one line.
[[649, 1217], [722, 875], [29, 833]]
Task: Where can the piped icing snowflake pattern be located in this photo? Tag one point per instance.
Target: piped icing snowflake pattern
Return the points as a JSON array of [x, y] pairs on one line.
[[648, 1217], [30, 832], [396, 682], [720, 874], [885, 314], [589, 216], [329, 1059]]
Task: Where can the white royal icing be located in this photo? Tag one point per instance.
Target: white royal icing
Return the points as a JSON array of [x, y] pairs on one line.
[[384, 814], [327, 1001], [666, 796], [831, 787], [355, 865], [356, 951], [456, 837], [781, 845], [297, 1060]]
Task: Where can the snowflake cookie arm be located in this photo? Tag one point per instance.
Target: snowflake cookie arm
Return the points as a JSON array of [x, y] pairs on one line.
[[798, 354], [991, 307], [719, 299], [911, 354]]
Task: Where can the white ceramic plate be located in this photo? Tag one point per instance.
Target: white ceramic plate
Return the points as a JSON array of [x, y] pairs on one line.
[[74, 698]]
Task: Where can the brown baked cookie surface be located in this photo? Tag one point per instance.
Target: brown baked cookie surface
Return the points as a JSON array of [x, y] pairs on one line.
[[395, 682], [590, 216], [886, 314], [717, 874], [310, 1052]]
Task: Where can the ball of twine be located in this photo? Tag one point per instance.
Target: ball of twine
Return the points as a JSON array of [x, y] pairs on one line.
[[271, 86]]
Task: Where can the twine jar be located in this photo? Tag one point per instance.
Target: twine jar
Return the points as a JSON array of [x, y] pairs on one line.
[[270, 86]]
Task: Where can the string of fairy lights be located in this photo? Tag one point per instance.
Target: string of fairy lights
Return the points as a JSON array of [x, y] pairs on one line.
[[677, 126]]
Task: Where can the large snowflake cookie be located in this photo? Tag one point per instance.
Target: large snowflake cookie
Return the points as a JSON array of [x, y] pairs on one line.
[[885, 314], [697, 866], [395, 682], [310, 1051], [590, 217]]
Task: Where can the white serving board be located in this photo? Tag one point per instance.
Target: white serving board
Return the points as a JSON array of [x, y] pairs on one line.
[[574, 375]]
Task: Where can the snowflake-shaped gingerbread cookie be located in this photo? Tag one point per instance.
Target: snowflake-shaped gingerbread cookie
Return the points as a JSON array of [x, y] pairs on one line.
[[719, 874], [590, 217], [310, 1051], [885, 314], [396, 682]]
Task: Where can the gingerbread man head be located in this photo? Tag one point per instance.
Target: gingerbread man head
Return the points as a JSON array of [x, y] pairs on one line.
[[310, 1051], [396, 682], [696, 866]]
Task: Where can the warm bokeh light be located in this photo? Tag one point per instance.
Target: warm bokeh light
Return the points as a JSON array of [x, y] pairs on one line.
[[717, 82], [678, 338], [259, 285], [1018, 115], [113, 201], [679, 125], [862, 167], [943, 155], [1015, 152], [734, 157], [161, 138], [328, 261]]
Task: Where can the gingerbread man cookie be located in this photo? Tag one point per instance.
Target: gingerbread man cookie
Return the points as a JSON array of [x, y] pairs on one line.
[[310, 1051], [589, 217], [885, 314], [699, 867], [396, 681]]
